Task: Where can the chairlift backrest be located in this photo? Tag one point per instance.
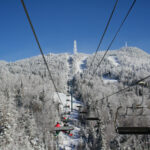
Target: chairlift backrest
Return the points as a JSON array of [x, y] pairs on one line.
[[66, 106]]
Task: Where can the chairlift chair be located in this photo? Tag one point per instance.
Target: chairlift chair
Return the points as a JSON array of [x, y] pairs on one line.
[[65, 120], [142, 83], [66, 113], [92, 119], [79, 106], [131, 129], [92, 115], [68, 100], [83, 112], [66, 106], [67, 128], [134, 107]]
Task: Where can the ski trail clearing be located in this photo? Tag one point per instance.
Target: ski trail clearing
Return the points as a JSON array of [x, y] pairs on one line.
[[64, 140], [80, 64], [114, 60]]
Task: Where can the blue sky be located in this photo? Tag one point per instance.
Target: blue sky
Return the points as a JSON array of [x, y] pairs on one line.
[[59, 22]]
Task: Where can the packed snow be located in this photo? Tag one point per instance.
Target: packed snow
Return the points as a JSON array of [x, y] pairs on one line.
[[64, 140], [109, 80], [80, 64]]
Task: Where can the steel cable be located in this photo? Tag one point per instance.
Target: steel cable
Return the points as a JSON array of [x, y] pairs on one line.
[[113, 38], [101, 39], [41, 51]]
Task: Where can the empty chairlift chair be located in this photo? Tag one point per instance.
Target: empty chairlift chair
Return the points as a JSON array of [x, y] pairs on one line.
[[68, 100], [92, 117], [83, 110], [136, 110], [79, 106], [66, 106], [131, 129]]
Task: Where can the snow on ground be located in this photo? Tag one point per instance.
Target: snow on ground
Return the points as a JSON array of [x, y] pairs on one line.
[[62, 96], [113, 60], [67, 142], [80, 64], [64, 140], [109, 80], [63, 101]]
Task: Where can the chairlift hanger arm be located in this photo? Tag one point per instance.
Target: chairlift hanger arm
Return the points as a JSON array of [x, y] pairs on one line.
[[116, 115]]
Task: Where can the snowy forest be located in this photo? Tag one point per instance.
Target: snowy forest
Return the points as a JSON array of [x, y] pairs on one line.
[[30, 107]]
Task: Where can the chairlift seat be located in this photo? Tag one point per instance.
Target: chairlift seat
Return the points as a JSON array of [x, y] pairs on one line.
[[79, 106], [83, 112], [69, 128], [142, 83], [66, 106], [68, 100], [66, 113], [65, 120], [92, 119], [133, 130]]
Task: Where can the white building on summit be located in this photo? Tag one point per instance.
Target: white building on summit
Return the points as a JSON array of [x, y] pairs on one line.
[[75, 47]]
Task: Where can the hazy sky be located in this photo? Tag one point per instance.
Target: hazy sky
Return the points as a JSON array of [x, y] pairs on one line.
[[59, 22]]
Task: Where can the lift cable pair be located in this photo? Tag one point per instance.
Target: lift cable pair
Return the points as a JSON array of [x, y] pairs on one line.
[[101, 39], [123, 21]]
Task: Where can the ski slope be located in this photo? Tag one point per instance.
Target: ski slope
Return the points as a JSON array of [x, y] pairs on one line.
[[80, 64], [113, 60], [64, 140]]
